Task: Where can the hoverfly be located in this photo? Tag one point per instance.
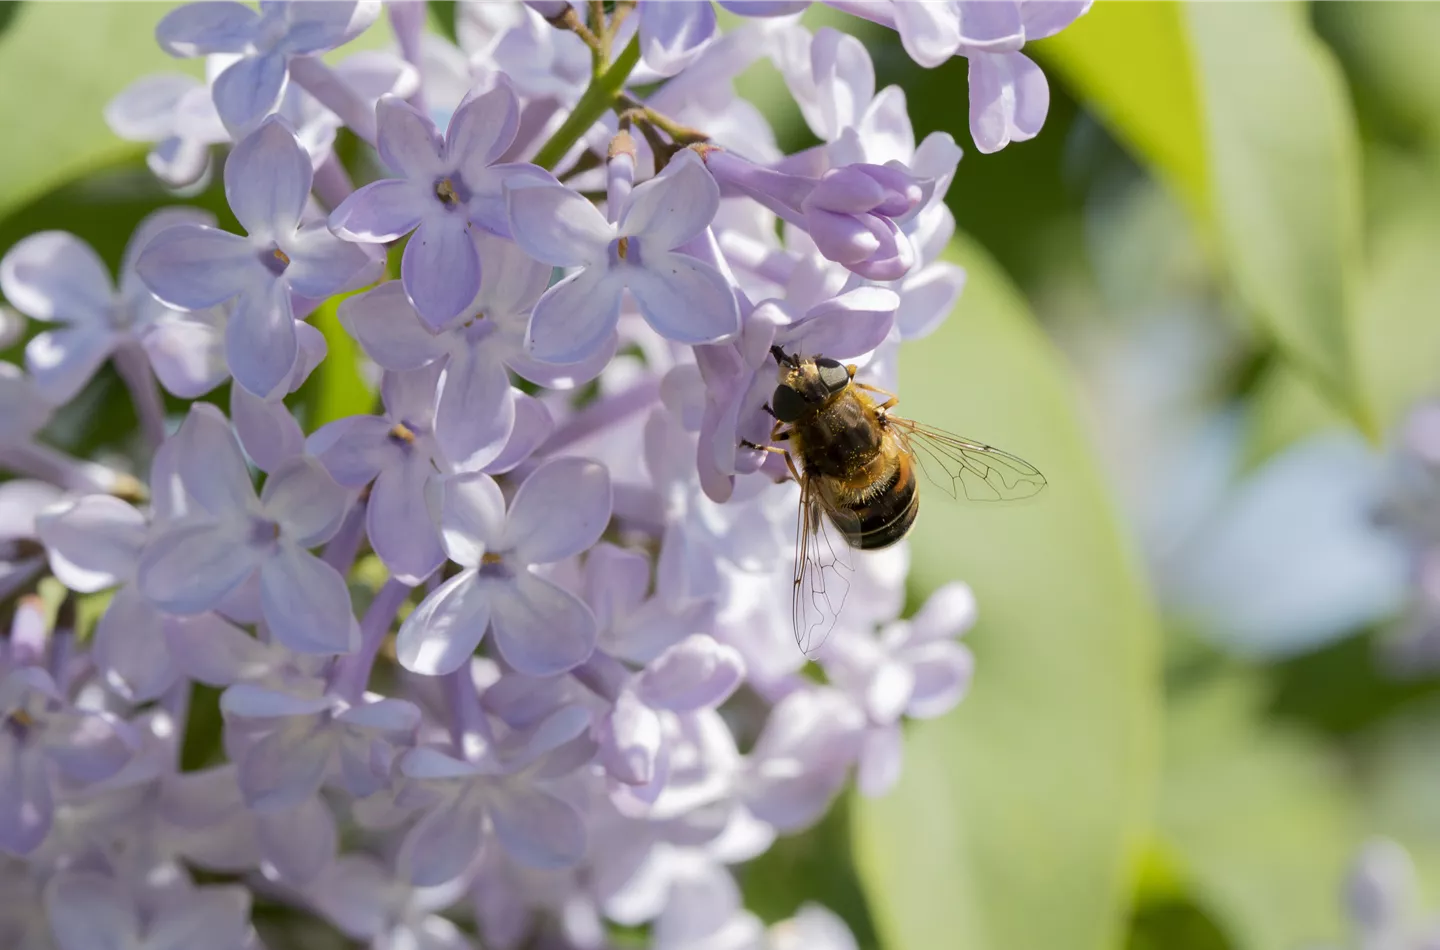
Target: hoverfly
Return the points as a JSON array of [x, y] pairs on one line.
[[857, 463]]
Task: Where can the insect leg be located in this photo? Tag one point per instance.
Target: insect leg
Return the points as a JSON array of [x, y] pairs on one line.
[[777, 434], [893, 401]]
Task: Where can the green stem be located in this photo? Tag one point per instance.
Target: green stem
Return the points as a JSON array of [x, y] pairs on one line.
[[594, 104]]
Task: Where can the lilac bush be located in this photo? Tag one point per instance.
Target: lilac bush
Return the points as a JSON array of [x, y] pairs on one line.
[[506, 658]]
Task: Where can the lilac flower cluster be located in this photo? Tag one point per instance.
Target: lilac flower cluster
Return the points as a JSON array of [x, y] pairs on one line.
[[509, 660]]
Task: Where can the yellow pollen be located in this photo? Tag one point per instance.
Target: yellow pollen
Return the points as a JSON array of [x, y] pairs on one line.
[[281, 256], [402, 433], [23, 718], [445, 191], [490, 557], [623, 247]]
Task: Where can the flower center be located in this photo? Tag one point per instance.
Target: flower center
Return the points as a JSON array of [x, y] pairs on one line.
[[402, 434], [19, 723], [622, 248], [263, 532], [492, 565], [275, 260], [451, 192]]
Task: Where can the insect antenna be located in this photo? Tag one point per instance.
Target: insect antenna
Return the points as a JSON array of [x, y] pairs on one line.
[[783, 358]]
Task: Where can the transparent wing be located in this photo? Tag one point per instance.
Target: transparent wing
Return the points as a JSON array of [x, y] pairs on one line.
[[822, 570], [962, 466]]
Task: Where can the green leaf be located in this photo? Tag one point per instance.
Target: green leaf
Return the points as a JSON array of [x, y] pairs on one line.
[[1257, 816], [1245, 111], [336, 389], [72, 60], [1019, 816]]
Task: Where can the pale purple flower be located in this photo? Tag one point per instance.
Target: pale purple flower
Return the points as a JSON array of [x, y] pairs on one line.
[[368, 902], [263, 42], [448, 188], [190, 564], [23, 411], [45, 740], [812, 928], [501, 789], [174, 111], [681, 298], [192, 267], [94, 543], [89, 911], [803, 757], [540, 628], [55, 277], [673, 34], [21, 555], [912, 668], [292, 739]]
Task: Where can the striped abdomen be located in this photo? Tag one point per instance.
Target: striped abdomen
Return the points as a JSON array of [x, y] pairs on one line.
[[883, 512]]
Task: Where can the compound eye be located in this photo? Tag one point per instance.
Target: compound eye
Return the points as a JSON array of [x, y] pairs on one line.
[[787, 403], [833, 376]]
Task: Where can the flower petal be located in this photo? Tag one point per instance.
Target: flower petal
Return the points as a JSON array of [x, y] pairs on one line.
[[481, 129], [443, 844], [471, 516], [388, 329], [442, 633], [320, 25], [203, 917], [197, 29], [440, 270], [576, 318], [192, 267], [208, 462], [846, 326], [130, 650], [53, 275], [353, 449], [942, 672], [562, 508], [537, 829], [246, 92], [260, 341], [285, 767], [26, 807], [927, 297], [187, 352], [988, 25], [476, 412], [306, 603], [397, 520], [381, 211], [930, 32], [1008, 99], [267, 180], [300, 842], [214, 651], [93, 541], [409, 143], [62, 361], [696, 673], [672, 34], [144, 111], [533, 425], [674, 206], [268, 432], [307, 503], [558, 226], [683, 299], [322, 264], [191, 564], [541, 629], [88, 911]]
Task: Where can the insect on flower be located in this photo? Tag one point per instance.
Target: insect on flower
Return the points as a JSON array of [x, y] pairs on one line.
[[857, 464]]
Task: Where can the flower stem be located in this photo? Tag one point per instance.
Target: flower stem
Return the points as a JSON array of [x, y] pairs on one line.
[[332, 183], [134, 368], [354, 670], [594, 104]]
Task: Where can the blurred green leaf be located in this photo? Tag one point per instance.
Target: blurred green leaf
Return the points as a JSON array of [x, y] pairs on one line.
[[1245, 111], [60, 64], [336, 389], [1258, 816], [1019, 816]]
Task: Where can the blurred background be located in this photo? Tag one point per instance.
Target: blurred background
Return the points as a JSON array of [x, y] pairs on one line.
[[1205, 301]]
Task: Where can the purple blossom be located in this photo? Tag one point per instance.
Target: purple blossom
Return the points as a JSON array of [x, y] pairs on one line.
[[55, 277], [264, 44], [448, 188], [89, 911], [191, 563], [193, 267], [540, 628], [681, 298]]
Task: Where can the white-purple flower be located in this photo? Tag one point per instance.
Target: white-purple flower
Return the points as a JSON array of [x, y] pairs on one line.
[[89, 911], [540, 628], [55, 277], [683, 299], [190, 564], [193, 267], [448, 188], [263, 44]]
